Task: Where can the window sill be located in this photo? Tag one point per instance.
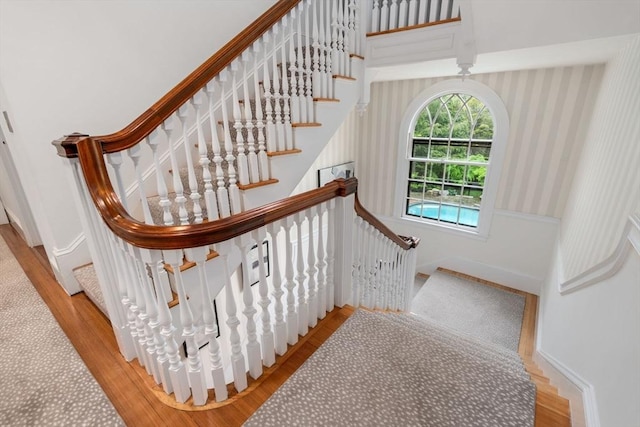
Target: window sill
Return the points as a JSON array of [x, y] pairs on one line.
[[475, 234]]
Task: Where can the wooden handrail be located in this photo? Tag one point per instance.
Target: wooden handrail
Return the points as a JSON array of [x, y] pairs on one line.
[[161, 110], [192, 235], [405, 243]]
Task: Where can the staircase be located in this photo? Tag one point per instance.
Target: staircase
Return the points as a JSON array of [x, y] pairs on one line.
[[190, 206]]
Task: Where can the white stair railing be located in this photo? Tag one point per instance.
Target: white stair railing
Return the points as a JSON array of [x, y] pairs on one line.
[[389, 15], [197, 159]]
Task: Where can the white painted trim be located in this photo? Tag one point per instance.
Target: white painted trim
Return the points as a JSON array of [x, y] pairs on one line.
[[512, 279], [498, 149], [591, 416], [527, 216], [630, 240], [70, 248]]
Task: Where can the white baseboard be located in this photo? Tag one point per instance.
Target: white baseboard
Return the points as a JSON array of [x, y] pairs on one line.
[[491, 273], [579, 392]]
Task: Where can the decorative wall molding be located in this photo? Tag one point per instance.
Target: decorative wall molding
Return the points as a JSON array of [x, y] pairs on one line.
[[70, 248], [591, 416], [629, 240], [527, 216]]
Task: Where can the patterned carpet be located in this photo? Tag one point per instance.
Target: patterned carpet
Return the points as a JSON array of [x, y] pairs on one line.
[[395, 370], [485, 312], [43, 379]]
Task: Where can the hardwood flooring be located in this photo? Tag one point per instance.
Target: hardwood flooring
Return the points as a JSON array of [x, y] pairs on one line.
[[128, 386]]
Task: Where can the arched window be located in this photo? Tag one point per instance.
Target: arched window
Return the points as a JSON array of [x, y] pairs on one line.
[[448, 176]]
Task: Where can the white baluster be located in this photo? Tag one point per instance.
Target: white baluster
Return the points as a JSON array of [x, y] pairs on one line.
[[194, 195], [292, 316], [177, 182], [221, 189], [115, 160], [354, 38], [346, 51], [271, 134], [149, 314], [294, 66], [316, 79], [140, 308], [164, 202], [237, 358], [312, 301], [234, 192], [434, 11], [134, 155], [321, 264], [196, 378], [445, 13], [412, 16], [328, 49], [300, 54], [286, 111], [330, 289], [268, 349], [423, 12], [335, 46], [277, 96], [253, 347], [199, 256], [357, 260], [280, 327], [375, 17], [263, 163], [402, 14], [163, 317], [252, 157], [393, 15], [322, 53], [241, 158], [303, 310], [177, 370], [384, 16], [455, 9], [209, 196], [308, 89]]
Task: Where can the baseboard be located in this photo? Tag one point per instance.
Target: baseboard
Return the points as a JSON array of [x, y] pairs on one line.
[[579, 392], [491, 273]]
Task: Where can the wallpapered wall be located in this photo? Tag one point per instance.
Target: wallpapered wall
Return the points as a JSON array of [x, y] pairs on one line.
[[549, 111], [607, 183]]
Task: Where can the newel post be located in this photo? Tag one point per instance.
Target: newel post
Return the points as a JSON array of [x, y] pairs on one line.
[[343, 217]]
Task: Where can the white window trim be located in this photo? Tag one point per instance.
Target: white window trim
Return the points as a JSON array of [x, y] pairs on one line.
[[498, 149]]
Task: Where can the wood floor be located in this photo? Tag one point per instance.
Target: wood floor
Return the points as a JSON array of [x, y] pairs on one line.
[[128, 386]]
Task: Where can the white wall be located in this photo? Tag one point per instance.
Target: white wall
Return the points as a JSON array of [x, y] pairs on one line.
[[607, 183], [593, 332], [93, 67], [341, 148], [549, 111]]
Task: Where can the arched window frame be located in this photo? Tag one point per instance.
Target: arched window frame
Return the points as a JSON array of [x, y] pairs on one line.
[[498, 149]]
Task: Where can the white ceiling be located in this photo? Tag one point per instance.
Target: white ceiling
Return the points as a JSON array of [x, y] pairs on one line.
[[525, 34]]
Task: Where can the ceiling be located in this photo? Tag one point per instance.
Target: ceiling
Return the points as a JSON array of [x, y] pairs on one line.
[[525, 34]]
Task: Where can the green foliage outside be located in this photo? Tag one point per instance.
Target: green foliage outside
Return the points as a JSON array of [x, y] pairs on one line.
[[447, 130]]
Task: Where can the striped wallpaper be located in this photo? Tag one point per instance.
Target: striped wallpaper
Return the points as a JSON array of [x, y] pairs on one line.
[[340, 149], [607, 181], [549, 111]]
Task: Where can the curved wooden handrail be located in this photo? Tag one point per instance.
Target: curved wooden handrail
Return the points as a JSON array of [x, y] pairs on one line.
[[192, 235], [405, 243], [161, 110]]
